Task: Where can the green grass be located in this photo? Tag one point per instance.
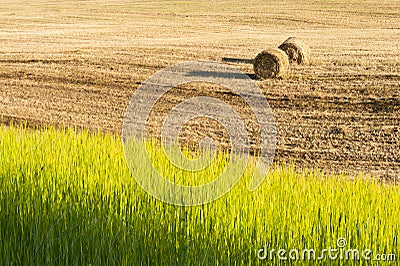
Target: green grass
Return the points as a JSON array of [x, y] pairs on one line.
[[68, 198]]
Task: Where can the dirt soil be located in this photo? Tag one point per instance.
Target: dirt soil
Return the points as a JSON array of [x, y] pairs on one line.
[[78, 64]]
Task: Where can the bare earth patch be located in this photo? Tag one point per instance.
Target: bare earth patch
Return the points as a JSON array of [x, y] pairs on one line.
[[78, 64]]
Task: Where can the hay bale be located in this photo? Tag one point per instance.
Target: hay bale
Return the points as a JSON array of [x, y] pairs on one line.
[[271, 63], [297, 51]]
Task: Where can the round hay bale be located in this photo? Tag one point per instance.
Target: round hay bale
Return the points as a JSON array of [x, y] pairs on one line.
[[271, 63], [297, 51]]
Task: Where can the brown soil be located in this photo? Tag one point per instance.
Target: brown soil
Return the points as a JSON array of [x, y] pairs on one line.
[[78, 65]]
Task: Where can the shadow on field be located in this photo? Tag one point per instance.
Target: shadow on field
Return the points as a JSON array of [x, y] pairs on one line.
[[214, 74], [237, 60]]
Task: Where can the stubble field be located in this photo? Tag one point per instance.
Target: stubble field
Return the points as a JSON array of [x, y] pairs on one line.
[[67, 196], [79, 62]]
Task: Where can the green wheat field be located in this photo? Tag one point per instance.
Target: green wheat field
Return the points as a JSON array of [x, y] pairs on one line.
[[67, 197]]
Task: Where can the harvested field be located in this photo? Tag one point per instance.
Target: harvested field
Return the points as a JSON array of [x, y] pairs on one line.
[[78, 64]]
